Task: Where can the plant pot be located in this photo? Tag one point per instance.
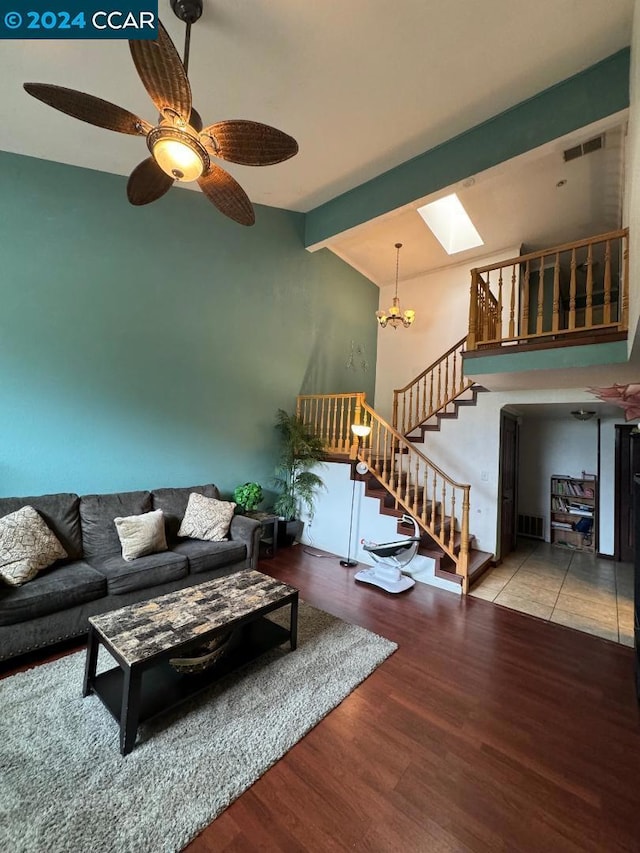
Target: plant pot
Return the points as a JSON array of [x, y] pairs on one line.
[[289, 532]]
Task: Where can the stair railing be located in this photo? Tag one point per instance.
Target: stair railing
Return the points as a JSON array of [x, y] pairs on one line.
[[330, 416], [439, 504], [553, 294], [430, 392]]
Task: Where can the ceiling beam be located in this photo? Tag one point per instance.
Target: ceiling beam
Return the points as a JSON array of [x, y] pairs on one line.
[[591, 95]]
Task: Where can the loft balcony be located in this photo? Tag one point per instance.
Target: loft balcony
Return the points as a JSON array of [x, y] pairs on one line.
[[559, 316]]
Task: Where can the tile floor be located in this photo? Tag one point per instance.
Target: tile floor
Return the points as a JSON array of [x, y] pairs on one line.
[[568, 587]]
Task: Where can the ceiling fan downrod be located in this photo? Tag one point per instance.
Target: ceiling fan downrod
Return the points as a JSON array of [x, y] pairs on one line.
[[187, 11]]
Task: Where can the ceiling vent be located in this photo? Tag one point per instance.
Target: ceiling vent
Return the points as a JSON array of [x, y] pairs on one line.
[[587, 147]]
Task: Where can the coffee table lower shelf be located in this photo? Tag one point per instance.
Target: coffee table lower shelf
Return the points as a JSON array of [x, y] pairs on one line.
[[163, 688]]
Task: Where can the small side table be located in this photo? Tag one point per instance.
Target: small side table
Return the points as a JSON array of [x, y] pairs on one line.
[[267, 519]]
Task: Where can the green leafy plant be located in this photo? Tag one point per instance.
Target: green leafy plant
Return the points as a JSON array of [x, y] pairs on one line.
[[248, 496], [300, 450]]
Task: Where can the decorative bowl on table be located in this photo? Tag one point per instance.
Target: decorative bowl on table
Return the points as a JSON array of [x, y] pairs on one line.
[[202, 657]]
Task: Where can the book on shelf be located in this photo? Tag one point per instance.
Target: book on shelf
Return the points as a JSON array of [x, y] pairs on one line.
[[562, 525]]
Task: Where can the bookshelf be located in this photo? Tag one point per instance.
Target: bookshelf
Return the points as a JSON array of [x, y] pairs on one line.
[[574, 504]]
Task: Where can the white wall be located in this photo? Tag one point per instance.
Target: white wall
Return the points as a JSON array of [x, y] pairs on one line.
[[551, 446], [329, 529], [441, 302]]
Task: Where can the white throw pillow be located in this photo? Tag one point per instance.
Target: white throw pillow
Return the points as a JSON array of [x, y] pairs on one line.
[[27, 546], [141, 534], [206, 518]]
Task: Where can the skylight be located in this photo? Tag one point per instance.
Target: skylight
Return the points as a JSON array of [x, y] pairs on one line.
[[450, 223]]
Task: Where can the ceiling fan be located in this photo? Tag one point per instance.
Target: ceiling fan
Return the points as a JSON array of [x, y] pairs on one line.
[[181, 149]]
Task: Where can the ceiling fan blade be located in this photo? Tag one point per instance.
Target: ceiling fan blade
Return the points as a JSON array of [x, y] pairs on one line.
[[147, 183], [227, 195], [250, 143], [88, 108], [162, 73]]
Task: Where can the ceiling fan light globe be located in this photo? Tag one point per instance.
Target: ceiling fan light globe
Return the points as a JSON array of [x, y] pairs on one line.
[[178, 159]]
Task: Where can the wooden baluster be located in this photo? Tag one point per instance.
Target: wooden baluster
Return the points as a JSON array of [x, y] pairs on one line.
[[431, 396], [555, 321], [407, 488], [473, 311], [606, 311], [342, 445], [588, 316], [486, 320], [432, 520], [624, 312], [442, 536], [572, 292], [452, 530], [333, 417], [416, 481], [498, 334], [323, 421], [407, 427], [540, 314], [524, 313], [385, 470], [423, 414], [424, 499], [392, 464], [453, 377], [512, 304], [446, 378], [439, 384], [377, 459], [394, 417]]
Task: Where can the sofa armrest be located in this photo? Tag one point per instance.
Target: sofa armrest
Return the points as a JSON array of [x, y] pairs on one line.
[[249, 531]]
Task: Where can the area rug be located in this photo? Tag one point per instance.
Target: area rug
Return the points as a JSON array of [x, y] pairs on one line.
[[64, 788]]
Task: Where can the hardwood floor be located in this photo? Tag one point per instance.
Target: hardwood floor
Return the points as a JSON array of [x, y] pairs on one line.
[[488, 730]]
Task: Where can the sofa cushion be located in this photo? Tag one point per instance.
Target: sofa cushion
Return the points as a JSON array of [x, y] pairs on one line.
[[52, 590], [61, 514], [207, 518], [173, 503], [141, 534], [142, 573], [203, 556], [27, 546], [99, 534]]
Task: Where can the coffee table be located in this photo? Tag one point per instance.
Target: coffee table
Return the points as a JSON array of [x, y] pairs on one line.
[[143, 637]]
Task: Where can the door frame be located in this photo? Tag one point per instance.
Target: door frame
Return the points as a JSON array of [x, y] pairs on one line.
[[504, 416], [620, 429]]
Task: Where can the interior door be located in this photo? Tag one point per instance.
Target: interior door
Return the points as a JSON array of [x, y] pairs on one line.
[[508, 482], [627, 464]]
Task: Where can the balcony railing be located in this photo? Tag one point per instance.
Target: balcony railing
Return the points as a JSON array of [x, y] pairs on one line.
[[557, 294]]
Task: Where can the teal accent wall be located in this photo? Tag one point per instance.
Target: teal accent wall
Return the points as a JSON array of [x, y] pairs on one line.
[[145, 347], [590, 355], [597, 92]]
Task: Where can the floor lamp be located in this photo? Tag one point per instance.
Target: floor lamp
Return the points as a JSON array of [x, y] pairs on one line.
[[359, 431]]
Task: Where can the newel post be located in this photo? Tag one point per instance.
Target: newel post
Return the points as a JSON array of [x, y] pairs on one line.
[[473, 311], [463, 556]]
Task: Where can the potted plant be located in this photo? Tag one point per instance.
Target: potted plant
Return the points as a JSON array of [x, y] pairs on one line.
[[300, 450], [248, 497]]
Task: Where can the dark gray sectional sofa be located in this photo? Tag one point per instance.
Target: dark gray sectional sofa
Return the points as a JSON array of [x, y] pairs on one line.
[[55, 605]]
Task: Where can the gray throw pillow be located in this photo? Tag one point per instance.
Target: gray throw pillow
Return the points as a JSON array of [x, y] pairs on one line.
[[206, 518], [141, 534], [27, 546]]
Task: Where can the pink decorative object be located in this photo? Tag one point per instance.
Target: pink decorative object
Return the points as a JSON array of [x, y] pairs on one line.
[[625, 396]]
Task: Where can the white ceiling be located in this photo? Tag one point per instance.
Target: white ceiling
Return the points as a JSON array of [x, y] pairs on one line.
[[362, 85]]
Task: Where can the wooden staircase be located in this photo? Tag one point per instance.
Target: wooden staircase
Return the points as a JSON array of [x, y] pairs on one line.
[[445, 567], [448, 413]]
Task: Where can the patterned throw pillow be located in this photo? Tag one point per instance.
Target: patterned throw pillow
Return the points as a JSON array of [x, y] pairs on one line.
[[206, 518], [27, 546], [141, 534]]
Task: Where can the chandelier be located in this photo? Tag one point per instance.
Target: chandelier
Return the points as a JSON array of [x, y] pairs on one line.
[[395, 315]]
